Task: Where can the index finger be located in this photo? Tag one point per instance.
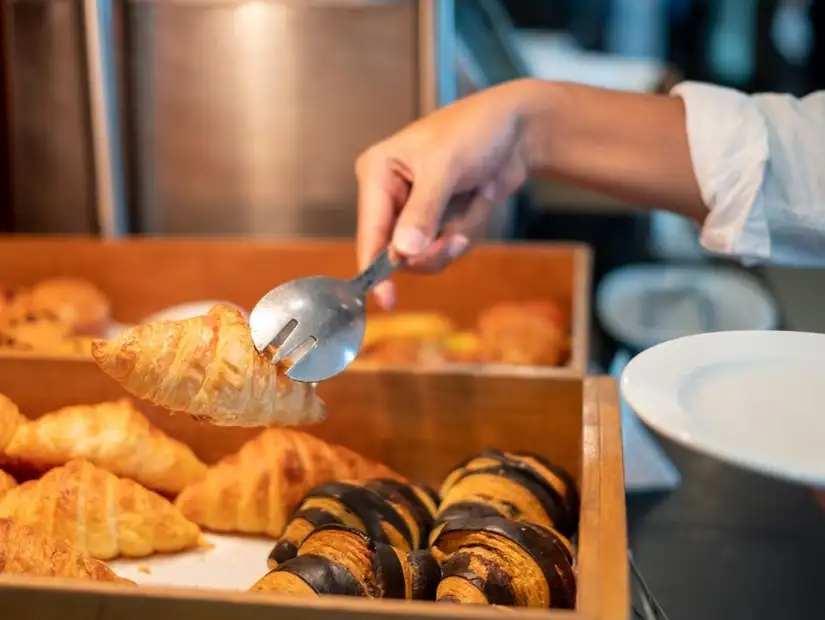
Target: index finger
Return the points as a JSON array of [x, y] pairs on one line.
[[376, 217]]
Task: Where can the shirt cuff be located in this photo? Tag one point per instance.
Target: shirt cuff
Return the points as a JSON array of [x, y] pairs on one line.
[[728, 141]]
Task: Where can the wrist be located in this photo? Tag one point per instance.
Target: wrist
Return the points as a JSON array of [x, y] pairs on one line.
[[536, 104]]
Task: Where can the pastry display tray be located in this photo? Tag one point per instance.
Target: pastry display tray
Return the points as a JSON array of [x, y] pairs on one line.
[[421, 434], [142, 276]]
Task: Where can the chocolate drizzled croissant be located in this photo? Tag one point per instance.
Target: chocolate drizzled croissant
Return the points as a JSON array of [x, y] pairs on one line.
[[335, 559], [389, 512], [492, 560], [515, 485]]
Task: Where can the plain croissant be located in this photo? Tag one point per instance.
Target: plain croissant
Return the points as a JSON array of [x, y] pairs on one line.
[[113, 435], [25, 550], [254, 490], [10, 420], [7, 483], [99, 513], [207, 367]]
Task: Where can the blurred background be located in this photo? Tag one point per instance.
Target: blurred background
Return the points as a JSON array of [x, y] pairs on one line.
[[244, 117]]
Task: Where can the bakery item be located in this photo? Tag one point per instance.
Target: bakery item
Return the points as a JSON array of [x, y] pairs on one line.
[[76, 302], [412, 325], [524, 333], [514, 485], [10, 420], [25, 550], [113, 435], [254, 490], [388, 511], [492, 560], [335, 559], [26, 329], [99, 514], [208, 367], [7, 483]]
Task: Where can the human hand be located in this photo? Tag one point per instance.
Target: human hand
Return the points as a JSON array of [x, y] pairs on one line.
[[454, 165]]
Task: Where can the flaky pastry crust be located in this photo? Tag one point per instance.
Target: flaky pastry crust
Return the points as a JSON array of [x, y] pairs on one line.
[[207, 367]]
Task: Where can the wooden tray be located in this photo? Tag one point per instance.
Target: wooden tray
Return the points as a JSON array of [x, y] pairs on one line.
[[142, 276], [573, 422]]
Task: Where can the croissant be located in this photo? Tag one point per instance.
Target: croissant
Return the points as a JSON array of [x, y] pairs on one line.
[[10, 420], [254, 490], [414, 325], [26, 550], [207, 367], [113, 435], [77, 303], [335, 559], [524, 333], [514, 485], [389, 512], [7, 483], [100, 514], [492, 560]]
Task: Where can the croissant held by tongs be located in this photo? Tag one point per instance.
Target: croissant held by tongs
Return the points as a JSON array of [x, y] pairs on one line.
[[208, 367]]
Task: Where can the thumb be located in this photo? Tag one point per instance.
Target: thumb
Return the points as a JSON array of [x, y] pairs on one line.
[[419, 220]]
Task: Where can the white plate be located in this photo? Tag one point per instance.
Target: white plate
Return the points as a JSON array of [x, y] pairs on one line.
[[752, 398], [630, 306]]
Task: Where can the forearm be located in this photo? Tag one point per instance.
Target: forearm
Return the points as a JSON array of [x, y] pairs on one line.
[[628, 146]]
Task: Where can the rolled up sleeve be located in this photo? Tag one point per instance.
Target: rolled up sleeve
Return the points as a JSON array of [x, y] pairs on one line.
[[760, 163]]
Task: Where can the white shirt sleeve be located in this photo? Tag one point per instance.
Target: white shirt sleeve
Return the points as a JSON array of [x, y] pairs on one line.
[[760, 164]]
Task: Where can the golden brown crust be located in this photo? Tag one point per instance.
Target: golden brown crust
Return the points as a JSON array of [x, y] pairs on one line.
[[281, 582], [76, 302], [411, 325], [27, 329], [113, 435], [531, 333], [335, 559], [10, 420], [99, 513], [492, 560], [518, 486], [207, 367], [524, 333], [25, 550], [7, 483], [254, 490], [396, 513]]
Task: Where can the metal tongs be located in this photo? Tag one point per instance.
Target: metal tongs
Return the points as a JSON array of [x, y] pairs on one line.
[[317, 323]]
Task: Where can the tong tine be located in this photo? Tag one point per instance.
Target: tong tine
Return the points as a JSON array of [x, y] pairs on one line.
[[294, 339]]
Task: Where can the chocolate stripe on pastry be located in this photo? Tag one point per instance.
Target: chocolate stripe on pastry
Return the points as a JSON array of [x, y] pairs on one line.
[[391, 512], [286, 549], [571, 493], [549, 499], [323, 575], [426, 573], [558, 495], [462, 510], [400, 493], [335, 559], [370, 507], [534, 550], [386, 566], [496, 585]]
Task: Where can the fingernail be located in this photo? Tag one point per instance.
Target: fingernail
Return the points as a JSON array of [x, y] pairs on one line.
[[409, 241], [457, 245], [488, 192]]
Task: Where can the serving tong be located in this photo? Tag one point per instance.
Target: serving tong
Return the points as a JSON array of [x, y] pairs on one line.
[[317, 323]]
